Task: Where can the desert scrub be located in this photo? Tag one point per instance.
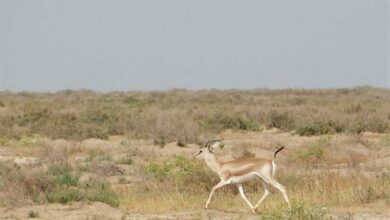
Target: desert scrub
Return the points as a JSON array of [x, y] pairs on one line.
[[386, 140], [4, 141], [319, 128], [221, 122], [64, 195], [316, 152], [97, 191], [64, 175], [33, 214], [173, 114], [182, 173], [299, 211], [128, 159], [58, 184], [175, 166], [281, 120], [159, 171]]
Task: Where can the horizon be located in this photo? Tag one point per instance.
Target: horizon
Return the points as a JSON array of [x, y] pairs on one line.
[[195, 90]]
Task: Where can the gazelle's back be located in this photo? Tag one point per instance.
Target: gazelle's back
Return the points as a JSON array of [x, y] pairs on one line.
[[246, 161], [246, 166]]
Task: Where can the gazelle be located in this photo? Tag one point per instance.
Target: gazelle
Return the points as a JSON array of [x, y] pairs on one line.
[[238, 171]]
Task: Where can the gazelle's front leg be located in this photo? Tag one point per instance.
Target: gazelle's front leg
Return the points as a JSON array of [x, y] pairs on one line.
[[219, 185]]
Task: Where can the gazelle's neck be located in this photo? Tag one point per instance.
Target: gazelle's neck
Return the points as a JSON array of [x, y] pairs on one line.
[[213, 162]]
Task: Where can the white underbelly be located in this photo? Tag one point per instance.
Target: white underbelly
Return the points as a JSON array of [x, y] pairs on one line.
[[241, 179]]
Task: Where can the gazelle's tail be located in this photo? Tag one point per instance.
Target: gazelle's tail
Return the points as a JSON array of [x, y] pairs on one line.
[[273, 161], [276, 152]]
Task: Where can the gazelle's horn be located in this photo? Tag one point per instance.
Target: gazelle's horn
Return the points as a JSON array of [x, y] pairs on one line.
[[211, 141]]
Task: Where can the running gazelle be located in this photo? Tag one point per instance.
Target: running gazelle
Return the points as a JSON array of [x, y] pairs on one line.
[[238, 171]]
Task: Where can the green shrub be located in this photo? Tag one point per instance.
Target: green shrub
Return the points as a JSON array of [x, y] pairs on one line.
[[374, 124], [281, 120], [160, 142], [64, 195], [58, 184], [181, 143], [83, 168], [158, 171], [298, 211], [64, 175], [221, 122], [97, 191], [185, 174], [316, 151], [128, 160], [386, 140], [33, 214], [4, 141], [103, 195], [319, 128], [86, 114], [67, 179], [185, 166]]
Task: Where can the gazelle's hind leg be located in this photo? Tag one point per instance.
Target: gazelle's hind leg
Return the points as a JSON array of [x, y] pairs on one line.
[[241, 190], [266, 193], [282, 189], [271, 181]]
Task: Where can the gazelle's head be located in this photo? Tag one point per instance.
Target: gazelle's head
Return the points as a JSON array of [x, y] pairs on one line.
[[207, 149]]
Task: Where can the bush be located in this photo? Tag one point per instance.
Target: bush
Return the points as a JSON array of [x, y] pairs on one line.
[[386, 140], [97, 191], [58, 184], [319, 128], [64, 175], [103, 195], [298, 211], [128, 160], [184, 165], [185, 174], [221, 122], [159, 171], [175, 114], [64, 195], [67, 179], [281, 120], [316, 151], [373, 124], [33, 214]]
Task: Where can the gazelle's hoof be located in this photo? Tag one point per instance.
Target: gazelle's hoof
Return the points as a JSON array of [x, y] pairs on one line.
[[254, 211]]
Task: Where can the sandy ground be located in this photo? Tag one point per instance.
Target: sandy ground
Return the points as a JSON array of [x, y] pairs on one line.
[[97, 211], [261, 144]]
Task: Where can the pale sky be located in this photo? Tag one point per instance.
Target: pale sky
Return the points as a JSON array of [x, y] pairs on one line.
[[50, 45]]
